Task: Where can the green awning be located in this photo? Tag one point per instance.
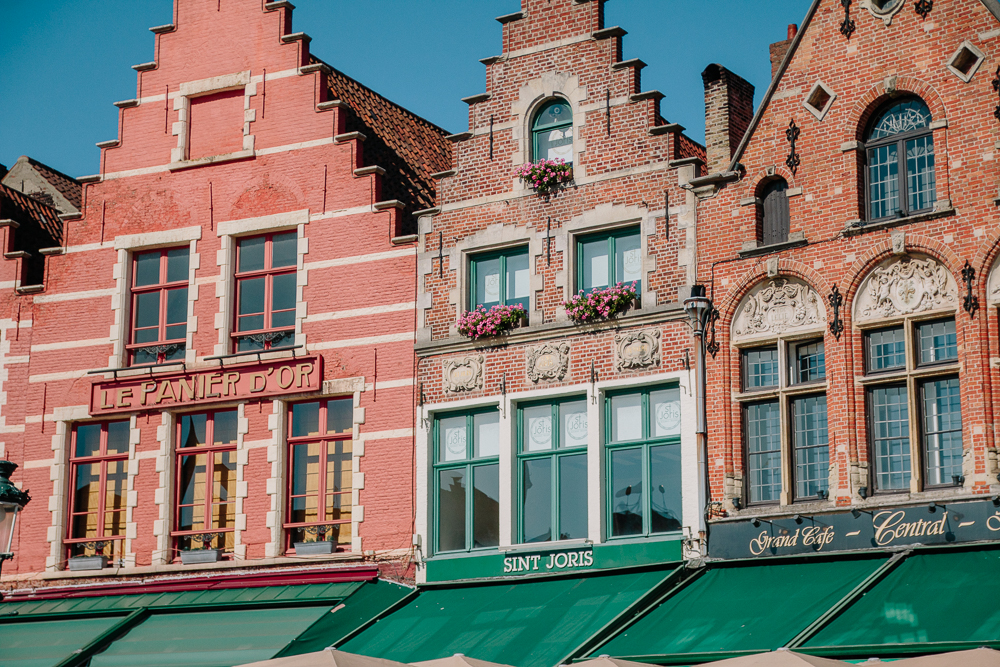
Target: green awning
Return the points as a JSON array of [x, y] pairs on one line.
[[741, 608], [47, 643], [528, 623], [945, 597]]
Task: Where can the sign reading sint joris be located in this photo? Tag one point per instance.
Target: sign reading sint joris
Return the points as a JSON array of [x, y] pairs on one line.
[[551, 562], [288, 376]]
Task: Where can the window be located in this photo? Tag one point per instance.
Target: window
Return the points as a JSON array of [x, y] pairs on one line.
[[99, 461], [552, 133], [900, 161], [466, 456], [644, 461], [609, 259], [774, 212], [803, 443], [915, 359], [552, 470], [265, 291], [500, 278], [320, 472], [206, 480], [159, 306]]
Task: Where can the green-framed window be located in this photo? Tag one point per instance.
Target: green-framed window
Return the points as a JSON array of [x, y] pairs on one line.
[[608, 259], [643, 448], [552, 132], [552, 470], [466, 458], [499, 278]]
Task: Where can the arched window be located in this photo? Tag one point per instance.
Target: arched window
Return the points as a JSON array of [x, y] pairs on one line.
[[900, 155], [773, 211], [552, 133]]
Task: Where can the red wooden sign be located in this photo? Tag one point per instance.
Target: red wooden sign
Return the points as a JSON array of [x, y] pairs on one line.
[[231, 383]]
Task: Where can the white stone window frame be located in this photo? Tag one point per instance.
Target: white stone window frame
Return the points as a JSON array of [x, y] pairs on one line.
[[225, 286], [532, 96], [595, 395], [121, 301], [820, 114], [884, 15], [974, 50], [180, 156]]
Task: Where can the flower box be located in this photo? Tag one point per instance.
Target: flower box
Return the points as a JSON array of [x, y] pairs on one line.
[[545, 176], [82, 563], [196, 556], [498, 320], [323, 548], [601, 304]]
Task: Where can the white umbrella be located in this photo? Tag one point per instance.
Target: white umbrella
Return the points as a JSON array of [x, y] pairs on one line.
[[977, 657], [326, 658], [606, 661], [457, 660], [780, 658]]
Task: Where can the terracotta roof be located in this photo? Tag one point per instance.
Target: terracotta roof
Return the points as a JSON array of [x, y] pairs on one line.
[[30, 212], [70, 188]]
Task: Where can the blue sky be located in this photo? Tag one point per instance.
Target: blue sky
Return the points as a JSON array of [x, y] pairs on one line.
[[66, 61]]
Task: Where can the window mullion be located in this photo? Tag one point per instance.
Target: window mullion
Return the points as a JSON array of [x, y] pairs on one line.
[[904, 199], [612, 278], [503, 279]]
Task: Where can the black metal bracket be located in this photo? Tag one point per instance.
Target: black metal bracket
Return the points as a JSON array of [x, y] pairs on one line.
[[996, 89], [970, 302], [836, 301], [666, 213], [923, 7], [847, 25], [491, 137], [441, 254], [713, 345], [792, 134], [548, 241], [607, 110]]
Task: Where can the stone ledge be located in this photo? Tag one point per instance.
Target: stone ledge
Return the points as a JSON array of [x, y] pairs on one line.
[[647, 95], [476, 99], [404, 239], [625, 64], [387, 204], [855, 227], [314, 67], [774, 247], [510, 18], [110, 143], [144, 67], [444, 174], [669, 128], [295, 37], [607, 33], [127, 104], [330, 104], [372, 169], [427, 211], [459, 136], [213, 159], [349, 136], [160, 29], [277, 4]]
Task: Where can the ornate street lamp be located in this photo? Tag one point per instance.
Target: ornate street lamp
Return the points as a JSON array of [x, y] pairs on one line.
[[699, 309], [12, 501]]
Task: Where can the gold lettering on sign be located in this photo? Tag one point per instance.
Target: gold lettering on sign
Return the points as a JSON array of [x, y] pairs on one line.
[[281, 377], [889, 526], [188, 388], [147, 388], [104, 400], [124, 393], [254, 377], [231, 380]]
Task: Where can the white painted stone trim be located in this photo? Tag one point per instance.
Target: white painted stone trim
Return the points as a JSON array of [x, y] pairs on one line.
[[151, 240], [265, 223], [59, 475], [216, 84], [132, 493], [164, 494], [242, 459], [531, 96]]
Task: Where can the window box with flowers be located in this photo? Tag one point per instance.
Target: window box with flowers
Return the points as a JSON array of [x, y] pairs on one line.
[[545, 176], [498, 320], [601, 303]]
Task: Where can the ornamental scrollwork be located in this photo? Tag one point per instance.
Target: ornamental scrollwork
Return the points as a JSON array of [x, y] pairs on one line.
[[906, 286], [778, 307], [637, 349], [465, 374], [547, 362]]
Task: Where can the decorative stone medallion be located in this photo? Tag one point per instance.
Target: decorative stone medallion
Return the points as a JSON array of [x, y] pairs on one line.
[[905, 286], [778, 307], [637, 349], [885, 9], [465, 374], [548, 362]]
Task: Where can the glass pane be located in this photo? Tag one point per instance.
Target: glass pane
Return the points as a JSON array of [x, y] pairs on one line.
[[147, 268], [763, 434], [305, 419], [251, 296], [192, 491], [177, 264], [339, 470], [665, 484], [812, 451], [536, 499], [573, 497], [88, 488], [891, 438], [886, 349], [943, 430], [920, 173], [594, 260], [938, 341], [628, 260], [251, 253], [487, 282], [118, 433], [114, 487], [810, 362], [555, 144], [140, 357], [486, 426], [338, 507], [626, 417], [340, 415], [486, 506], [905, 116], [176, 332], [537, 425], [760, 368], [305, 482], [193, 430], [452, 439], [517, 280], [284, 249], [225, 423], [283, 293], [883, 181], [147, 310], [88, 439], [573, 427], [665, 412], [451, 510], [627, 505], [177, 302], [556, 113]]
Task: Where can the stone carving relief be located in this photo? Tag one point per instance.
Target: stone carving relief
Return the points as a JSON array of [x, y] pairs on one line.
[[993, 284], [905, 286], [548, 362], [465, 374], [637, 349], [778, 307]]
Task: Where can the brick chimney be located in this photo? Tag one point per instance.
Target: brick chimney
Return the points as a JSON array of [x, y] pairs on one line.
[[779, 49], [728, 111]]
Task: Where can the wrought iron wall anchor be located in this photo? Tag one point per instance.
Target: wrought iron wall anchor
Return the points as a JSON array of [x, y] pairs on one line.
[[713, 346], [996, 89], [836, 301], [923, 7], [792, 134], [970, 302], [847, 25]]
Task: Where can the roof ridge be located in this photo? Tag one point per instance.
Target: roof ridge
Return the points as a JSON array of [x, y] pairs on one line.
[[38, 163]]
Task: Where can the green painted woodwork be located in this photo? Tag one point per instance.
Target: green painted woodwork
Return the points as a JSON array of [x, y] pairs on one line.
[[618, 242], [554, 115], [517, 256], [47, 643]]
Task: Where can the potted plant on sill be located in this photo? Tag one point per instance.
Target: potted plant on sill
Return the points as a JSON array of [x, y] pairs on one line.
[[545, 176], [481, 323], [601, 304], [321, 546], [206, 554]]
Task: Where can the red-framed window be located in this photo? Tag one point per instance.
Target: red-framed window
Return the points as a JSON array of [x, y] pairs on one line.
[[320, 472], [159, 306], [206, 480], [265, 292], [99, 462]]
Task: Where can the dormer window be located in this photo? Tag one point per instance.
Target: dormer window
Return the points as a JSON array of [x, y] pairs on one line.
[[899, 148], [552, 133]]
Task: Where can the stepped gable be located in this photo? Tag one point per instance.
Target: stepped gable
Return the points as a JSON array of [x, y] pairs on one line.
[[25, 210]]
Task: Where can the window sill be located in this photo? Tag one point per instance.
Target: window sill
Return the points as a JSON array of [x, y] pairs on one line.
[[855, 227], [774, 247]]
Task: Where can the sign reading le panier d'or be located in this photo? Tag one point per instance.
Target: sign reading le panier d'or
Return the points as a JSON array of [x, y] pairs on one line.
[[245, 381]]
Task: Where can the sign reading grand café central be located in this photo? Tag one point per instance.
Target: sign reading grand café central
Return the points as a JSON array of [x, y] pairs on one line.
[[247, 381], [929, 524]]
